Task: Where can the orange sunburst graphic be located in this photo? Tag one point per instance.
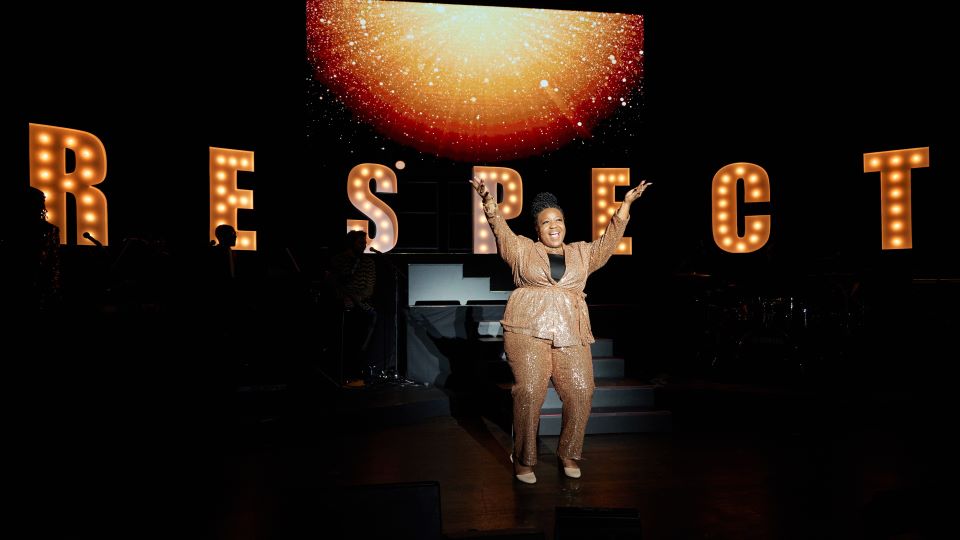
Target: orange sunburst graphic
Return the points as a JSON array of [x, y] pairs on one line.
[[476, 83]]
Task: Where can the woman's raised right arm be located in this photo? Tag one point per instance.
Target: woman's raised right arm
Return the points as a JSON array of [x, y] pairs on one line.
[[508, 243]]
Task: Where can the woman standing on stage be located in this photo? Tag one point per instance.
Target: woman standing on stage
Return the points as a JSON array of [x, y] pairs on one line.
[[546, 327]]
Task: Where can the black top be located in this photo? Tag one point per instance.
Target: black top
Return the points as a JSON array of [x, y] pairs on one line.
[[557, 266]]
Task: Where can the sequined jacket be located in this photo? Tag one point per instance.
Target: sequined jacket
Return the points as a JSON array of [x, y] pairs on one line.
[[540, 306]]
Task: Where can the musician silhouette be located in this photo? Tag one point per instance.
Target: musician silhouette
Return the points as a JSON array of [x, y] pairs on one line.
[[30, 251], [352, 277]]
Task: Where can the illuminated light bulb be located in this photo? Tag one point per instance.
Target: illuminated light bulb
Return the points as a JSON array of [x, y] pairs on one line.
[[505, 176], [722, 190], [232, 199], [739, 171], [896, 193], [513, 198], [221, 208], [68, 184], [44, 138], [621, 177], [356, 227], [896, 226], [602, 203], [895, 176], [385, 184], [221, 160], [741, 246], [723, 229], [512, 186], [377, 212], [722, 203], [603, 177], [483, 247], [221, 222], [506, 209], [244, 242], [243, 201], [895, 160], [727, 241], [367, 205], [87, 199], [754, 179], [754, 238], [756, 193], [916, 158], [483, 176], [601, 219], [378, 173], [46, 195], [45, 174], [87, 173], [725, 179], [722, 216], [483, 219], [757, 225], [384, 224], [483, 233], [400, 165], [359, 195], [875, 162], [358, 182], [896, 209], [365, 171], [90, 217], [232, 161], [221, 190], [601, 191], [70, 141], [244, 162], [221, 175], [86, 153], [897, 241], [611, 210], [384, 239], [622, 246], [44, 156]]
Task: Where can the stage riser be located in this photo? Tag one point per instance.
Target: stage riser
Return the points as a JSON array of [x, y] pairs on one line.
[[635, 397]]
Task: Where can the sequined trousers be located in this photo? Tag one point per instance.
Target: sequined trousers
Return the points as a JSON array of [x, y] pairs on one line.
[[534, 362]]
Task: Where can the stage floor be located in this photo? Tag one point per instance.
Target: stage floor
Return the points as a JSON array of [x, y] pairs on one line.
[[817, 472]]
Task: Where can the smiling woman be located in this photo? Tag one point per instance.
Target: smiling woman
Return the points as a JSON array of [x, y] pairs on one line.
[[472, 82], [546, 325]]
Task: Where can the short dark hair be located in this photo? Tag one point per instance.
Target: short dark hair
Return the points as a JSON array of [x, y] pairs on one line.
[[541, 202], [225, 232], [351, 239]]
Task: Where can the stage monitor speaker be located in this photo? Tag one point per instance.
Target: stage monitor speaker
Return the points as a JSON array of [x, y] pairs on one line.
[[404, 510], [574, 523]]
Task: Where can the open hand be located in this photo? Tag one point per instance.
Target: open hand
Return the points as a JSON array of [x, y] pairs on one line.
[[481, 188], [636, 192]]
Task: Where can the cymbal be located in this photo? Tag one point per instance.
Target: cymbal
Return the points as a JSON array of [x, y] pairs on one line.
[[693, 275]]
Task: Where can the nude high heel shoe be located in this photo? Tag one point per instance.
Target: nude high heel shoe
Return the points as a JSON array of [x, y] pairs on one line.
[[569, 472], [526, 478]]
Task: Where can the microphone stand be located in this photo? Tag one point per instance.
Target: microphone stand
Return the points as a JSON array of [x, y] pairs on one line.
[[390, 374]]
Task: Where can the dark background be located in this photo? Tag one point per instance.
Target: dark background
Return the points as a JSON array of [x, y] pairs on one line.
[[802, 91]]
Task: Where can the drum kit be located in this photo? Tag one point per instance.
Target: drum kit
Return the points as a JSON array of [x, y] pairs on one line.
[[753, 334]]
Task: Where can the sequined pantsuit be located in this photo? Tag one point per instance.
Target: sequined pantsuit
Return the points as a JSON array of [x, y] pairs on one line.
[[547, 332], [534, 362]]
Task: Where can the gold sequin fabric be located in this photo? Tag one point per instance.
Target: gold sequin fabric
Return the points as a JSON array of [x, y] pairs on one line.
[[547, 333], [534, 362], [544, 308]]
